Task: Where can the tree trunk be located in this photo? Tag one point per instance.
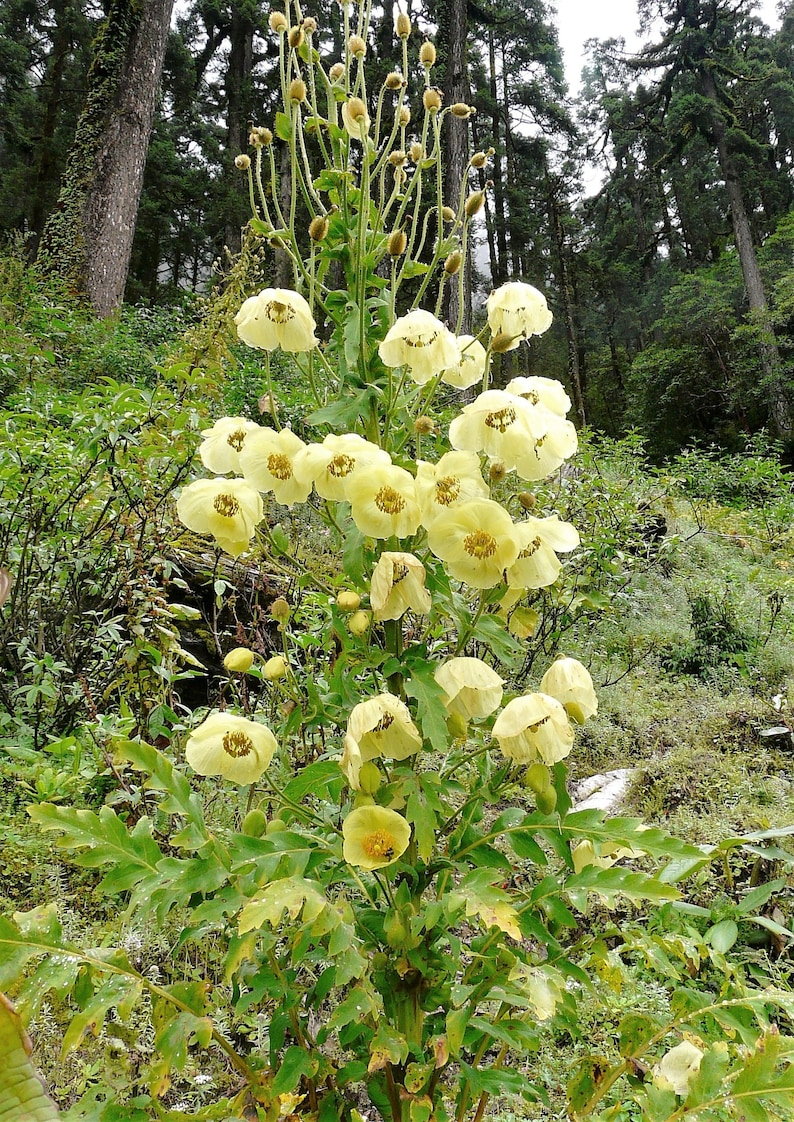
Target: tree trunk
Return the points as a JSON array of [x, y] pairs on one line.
[[452, 33], [779, 409], [238, 115], [566, 293], [498, 183], [87, 240]]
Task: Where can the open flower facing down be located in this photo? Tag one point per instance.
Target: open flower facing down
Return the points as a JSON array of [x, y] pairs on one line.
[[476, 541], [471, 365], [268, 462], [330, 465], [517, 310], [355, 118], [231, 746], [549, 450], [383, 501], [222, 444], [374, 837], [678, 1067], [422, 343], [473, 688], [500, 424], [455, 478], [570, 682], [229, 509], [382, 726], [539, 540], [398, 583], [277, 317], [533, 727], [547, 392]]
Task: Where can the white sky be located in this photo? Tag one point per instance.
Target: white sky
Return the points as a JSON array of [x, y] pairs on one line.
[[579, 20]]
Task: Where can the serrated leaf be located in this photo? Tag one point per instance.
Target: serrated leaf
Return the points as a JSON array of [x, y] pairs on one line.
[[293, 896], [429, 703], [312, 779], [296, 1063], [22, 1092]]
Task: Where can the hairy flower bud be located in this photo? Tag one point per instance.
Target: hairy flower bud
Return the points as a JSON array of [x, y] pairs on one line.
[[478, 160], [394, 81], [260, 137], [405, 115], [348, 601], [397, 243], [277, 22], [497, 473], [424, 426], [274, 668], [402, 25], [295, 37], [309, 25], [398, 158], [318, 228], [502, 343], [239, 660], [416, 152], [358, 623], [460, 109], [427, 54], [242, 162], [297, 90], [357, 46], [280, 610], [527, 500], [337, 71], [448, 214], [474, 203], [431, 99], [452, 263]]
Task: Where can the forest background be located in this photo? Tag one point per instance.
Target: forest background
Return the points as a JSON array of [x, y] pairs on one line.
[[671, 285]]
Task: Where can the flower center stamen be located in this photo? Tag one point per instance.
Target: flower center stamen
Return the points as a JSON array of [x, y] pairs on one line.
[[480, 544], [341, 465], [502, 419], [279, 466], [537, 724], [278, 312], [389, 501], [379, 844], [533, 547], [399, 572], [226, 505], [237, 744], [447, 490], [236, 440], [386, 722], [421, 340]]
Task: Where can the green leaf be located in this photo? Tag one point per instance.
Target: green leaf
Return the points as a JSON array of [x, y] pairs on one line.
[[723, 935], [492, 633], [296, 1063], [635, 1030], [293, 896], [22, 1094], [313, 779], [283, 127], [424, 822], [429, 703]]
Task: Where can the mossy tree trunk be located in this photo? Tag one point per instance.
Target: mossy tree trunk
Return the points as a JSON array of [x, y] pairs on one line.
[[87, 240]]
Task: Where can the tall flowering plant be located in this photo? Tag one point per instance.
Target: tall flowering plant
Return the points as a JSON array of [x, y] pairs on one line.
[[394, 907]]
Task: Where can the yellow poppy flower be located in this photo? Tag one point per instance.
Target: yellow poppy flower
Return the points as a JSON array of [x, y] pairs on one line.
[[473, 688], [231, 746], [471, 363], [220, 450], [268, 462], [383, 501], [238, 660], [398, 583], [547, 392], [374, 837], [277, 317], [330, 465], [533, 727], [229, 509], [476, 541], [422, 343], [454, 479], [352, 762], [517, 310], [355, 118], [548, 450], [678, 1067], [539, 540], [570, 682], [382, 726], [500, 424]]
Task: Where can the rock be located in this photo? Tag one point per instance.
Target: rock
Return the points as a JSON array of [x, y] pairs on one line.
[[602, 792]]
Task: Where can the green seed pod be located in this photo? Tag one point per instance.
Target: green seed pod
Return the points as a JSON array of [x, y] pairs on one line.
[[276, 826], [255, 823]]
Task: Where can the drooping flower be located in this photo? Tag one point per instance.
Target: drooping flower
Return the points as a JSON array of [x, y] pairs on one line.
[[383, 501], [517, 310], [500, 424], [476, 541], [231, 746], [238, 660], [549, 449], [547, 392], [422, 343], [222, 444], [277, 317], [678, 1067], [382, 726], [268, 462], [539, 541], [454, 479], [374, 837], [473, 688], [570, 682], [355, 118], [398, 583], [533, 727], [471, 364], [229, 509], [330, 465]]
